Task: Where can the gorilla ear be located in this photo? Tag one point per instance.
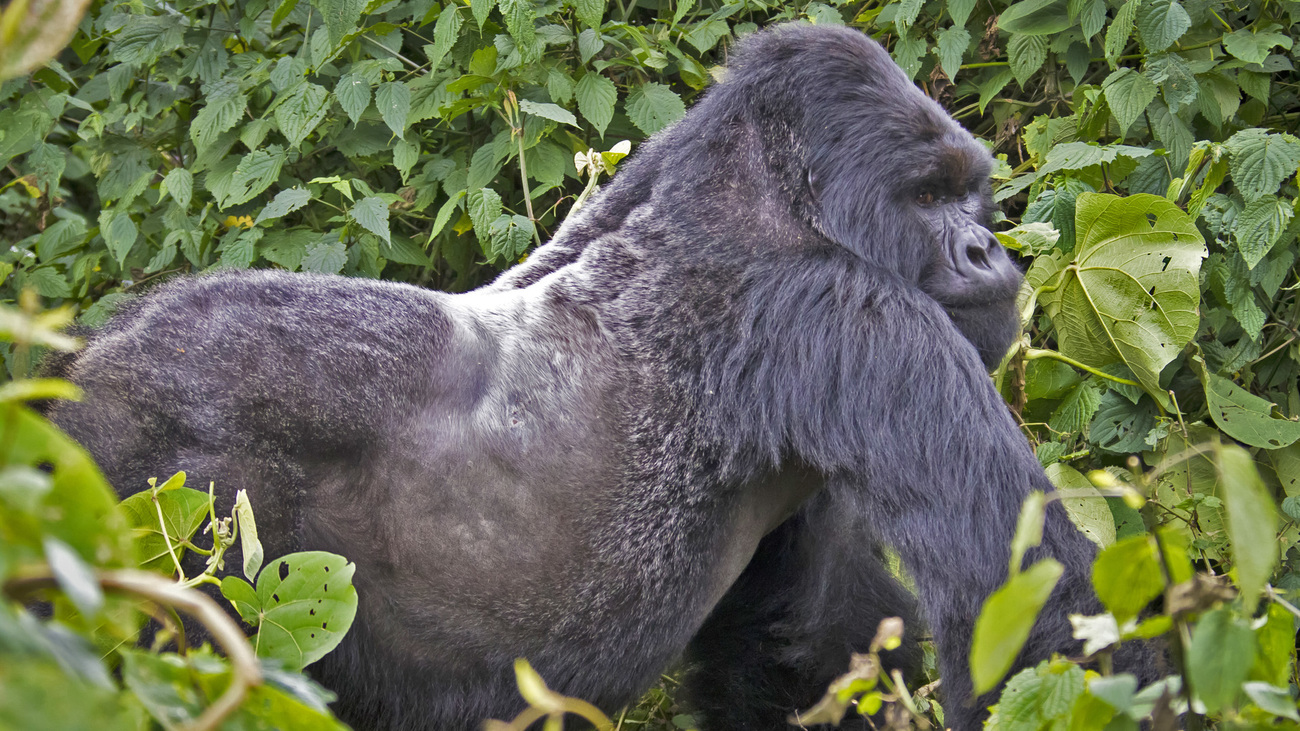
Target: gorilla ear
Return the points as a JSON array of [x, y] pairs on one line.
[[814, 184]]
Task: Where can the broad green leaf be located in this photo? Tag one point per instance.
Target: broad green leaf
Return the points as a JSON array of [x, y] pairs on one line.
[[552, 112], [509, 238], [1120, 30], [393, 100], [74, 576], [1243, 415], [254, 174], [1161, 22], [1077, 409], [1035, 17], [483, 167], [653, 106], [950, 48], [1029, 528], [1041, 697], [1091, 15], [183, 511], [1272, 699], [990, 88], [1259, 226], [223, 107], [1127, 576], [1006, 619], [405, 155], [341, 16], [119, 232], [286, 201], [590, 12], [1260, 161], [704, 36], [445, 33], [325, 257], [959, 11], [1128, 93], [1085, 504], [305, 604], [484, 208], [1080, 155], [596, 96], [1027, 54], [908, 10], [1254, 47], [590, 43], [1252, 522], [353, 93], [179, 184], [1130, 294], [480, 10], [520, 20], [1219, 659], [300, 112], [372, 213], [444, 215]]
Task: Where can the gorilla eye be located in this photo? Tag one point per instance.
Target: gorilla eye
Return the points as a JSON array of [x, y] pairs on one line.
[[926, 198]]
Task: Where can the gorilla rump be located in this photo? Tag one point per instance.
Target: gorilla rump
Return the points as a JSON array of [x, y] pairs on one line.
[[683, 428]]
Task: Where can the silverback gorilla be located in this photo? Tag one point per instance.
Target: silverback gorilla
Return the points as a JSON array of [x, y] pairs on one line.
[[683, 428]]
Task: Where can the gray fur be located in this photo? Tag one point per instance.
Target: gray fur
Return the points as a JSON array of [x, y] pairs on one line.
[[696, 413]]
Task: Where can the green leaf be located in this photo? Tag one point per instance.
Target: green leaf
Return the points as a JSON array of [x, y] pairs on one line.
[[520, 20], [1272, 699], [393, 100], [1260, 161], [445, 33], [480, 9], [552, 112], [1254, 47], [341, 16], [183, 511], [908, 10], [1035, 17], [325, 257], [372, 213], [1219, 658], [483, 167], [74, 576], [1091, 15], [1127, 576], [1161, 22], [179, 183], [300, 112], [405, 155], [1120, 30], [353, 93], [1080, 155], [596, 96], [249, 545], [959, 11], [590, 43], [1027, 54], [1006, 619], [704, 36], [990, 88], [1252, 522], [1128, 93], [1259, 226], [950, 49], [590, 12], [653, 106], [1131, 292], [119, 232], [305, 604], [1041, 697], [1085, 504], [484, 209], [254, 174], [1245, 416], [509, 238], [223, 108], [1029, 528], [285, 202]]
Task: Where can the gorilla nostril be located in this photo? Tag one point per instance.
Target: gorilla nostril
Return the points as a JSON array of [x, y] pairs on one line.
[[978, 256]]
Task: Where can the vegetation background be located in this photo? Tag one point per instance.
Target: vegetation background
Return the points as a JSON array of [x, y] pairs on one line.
[[1147, 177]]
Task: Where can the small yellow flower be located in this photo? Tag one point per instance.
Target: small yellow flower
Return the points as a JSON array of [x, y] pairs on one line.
[[238, 221]]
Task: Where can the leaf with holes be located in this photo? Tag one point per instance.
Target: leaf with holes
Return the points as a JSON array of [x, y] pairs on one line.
[[303, 605], [1130, 293], [1243, 415]]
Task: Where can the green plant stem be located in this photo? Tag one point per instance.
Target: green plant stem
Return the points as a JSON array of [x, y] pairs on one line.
[[1035, 353]]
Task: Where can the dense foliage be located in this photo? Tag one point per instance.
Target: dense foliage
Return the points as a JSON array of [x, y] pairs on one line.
[[1148, 178]]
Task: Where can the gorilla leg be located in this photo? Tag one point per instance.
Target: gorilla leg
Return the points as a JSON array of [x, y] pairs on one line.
[[814, 593]]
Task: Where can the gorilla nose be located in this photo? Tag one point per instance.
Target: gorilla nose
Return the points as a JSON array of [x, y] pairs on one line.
[[979, 255], [984, 265]]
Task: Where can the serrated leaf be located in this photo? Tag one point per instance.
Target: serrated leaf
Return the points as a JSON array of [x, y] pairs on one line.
[[301, 112], [1080, 155], [285, 202], [1091, 15], [520, 21], [372, 213], [1128, 93], [1084, 503], [484, 208], [483, 168], [908, 10], [445, 33], [119, 233], [1120, 30], [341, 16], [653, 106], [950, 48], [393, 100], [509, 237], [405, 155], [325, 257], [590, 43], [1245, 416], [480, 10], [179, 184], [1219, 658], [596, 96], [1131, 292], [1254, 47], [1259, 226], [224, 107], [254, 174], [959, 11], [590, 12], [1260, 161], [1027, 54], [552, 112], [353, 93], [1161, 22]]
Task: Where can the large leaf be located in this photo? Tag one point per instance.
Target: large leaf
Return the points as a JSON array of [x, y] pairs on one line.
[[1161, 22], [1128, 93], [1006, 619], [1219, 659], [1252, 522], [1127, 576], [1243, 415], [1084, 503], [1260, 161], [1130, 293], [596, 96], [653, 106]]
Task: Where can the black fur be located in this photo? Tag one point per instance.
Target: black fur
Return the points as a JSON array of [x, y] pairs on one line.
[[696, 413]]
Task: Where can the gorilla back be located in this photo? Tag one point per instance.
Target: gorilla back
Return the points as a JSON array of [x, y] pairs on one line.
[[683, 426]]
